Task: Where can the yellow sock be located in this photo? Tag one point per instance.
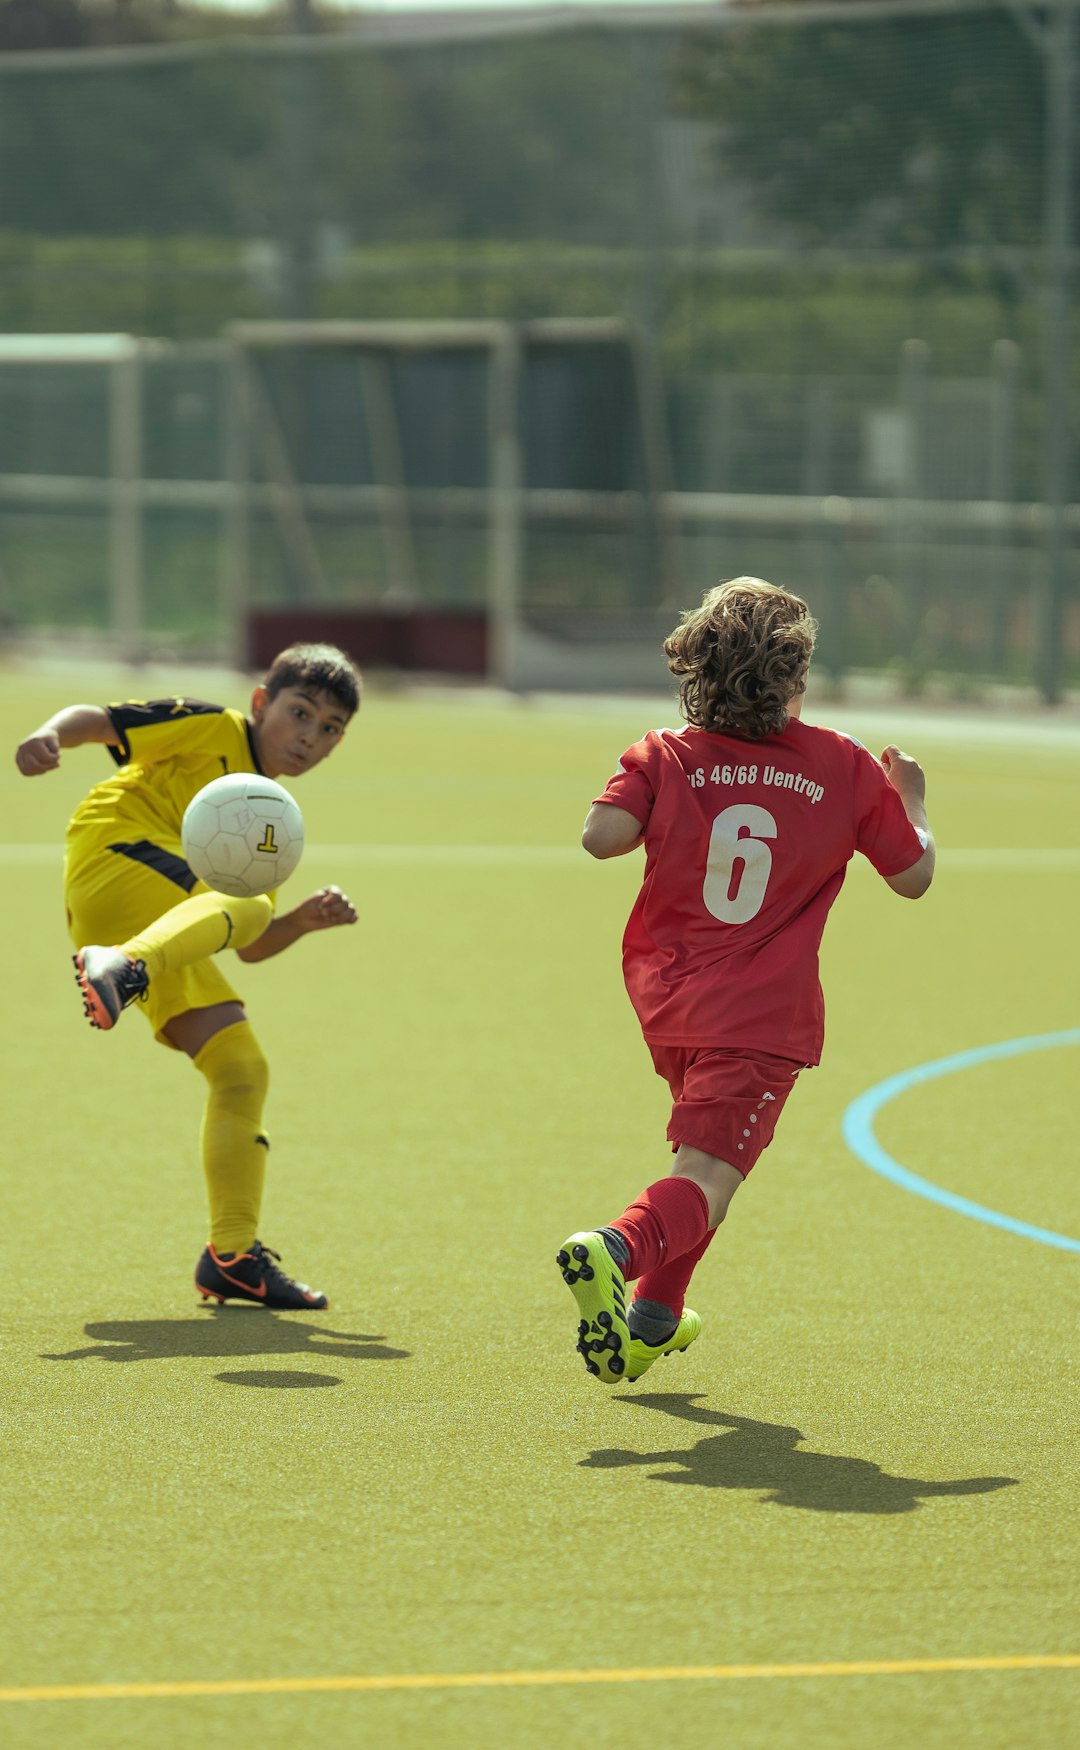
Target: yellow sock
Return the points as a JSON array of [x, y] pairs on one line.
[[234, 1144], [197, 928]]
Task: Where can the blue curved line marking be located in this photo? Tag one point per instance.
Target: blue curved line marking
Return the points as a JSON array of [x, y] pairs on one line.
[[858, 1129]]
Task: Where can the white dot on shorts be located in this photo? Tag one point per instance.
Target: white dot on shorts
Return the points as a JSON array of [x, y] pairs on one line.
[[753, 1117], [745, 1133], [740, 1145]]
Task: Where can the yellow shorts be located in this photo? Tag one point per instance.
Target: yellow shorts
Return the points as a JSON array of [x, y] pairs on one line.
[[109, 899]]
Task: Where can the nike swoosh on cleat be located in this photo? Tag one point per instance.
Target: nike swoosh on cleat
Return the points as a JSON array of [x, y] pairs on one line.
[[255, 1293]]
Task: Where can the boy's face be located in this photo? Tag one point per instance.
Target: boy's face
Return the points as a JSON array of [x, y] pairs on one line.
[[296, 729]]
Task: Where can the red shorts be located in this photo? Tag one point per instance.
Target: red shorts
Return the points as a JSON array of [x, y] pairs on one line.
[[725, 1104]]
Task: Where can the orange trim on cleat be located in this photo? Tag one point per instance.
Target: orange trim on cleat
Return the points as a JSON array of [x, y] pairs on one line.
[[254, 1276], [109, 980]]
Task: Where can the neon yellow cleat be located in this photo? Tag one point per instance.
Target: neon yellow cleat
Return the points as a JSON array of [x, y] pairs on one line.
[[597, 1284], [642, 1355]]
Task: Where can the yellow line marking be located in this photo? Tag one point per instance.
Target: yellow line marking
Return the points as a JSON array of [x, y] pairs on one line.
[[527, 1679]]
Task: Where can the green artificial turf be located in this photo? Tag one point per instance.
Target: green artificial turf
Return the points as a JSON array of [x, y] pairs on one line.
[[869, 1455]]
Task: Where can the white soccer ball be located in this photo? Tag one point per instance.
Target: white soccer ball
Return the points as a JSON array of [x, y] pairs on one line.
[[242, 834]]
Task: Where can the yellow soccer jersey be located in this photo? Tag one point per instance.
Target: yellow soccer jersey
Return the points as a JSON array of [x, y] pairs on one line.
[[169, 749]]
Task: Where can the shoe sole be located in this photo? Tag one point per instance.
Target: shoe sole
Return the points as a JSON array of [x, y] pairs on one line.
[[597, 1284], [321, 1305], [96, 1011]]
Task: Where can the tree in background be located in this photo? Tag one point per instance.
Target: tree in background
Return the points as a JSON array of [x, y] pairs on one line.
[[917, 134]]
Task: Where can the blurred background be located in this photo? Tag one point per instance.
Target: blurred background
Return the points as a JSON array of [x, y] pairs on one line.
[[484, 338]]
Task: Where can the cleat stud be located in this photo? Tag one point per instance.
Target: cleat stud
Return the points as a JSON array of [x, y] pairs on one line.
[[562, 1259], [581, 1253], [604, 1319], [586, 1273], [616, 1365]]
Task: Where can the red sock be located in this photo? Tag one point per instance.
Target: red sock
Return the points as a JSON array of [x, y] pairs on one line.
[[667, 1285], [666, 1220]]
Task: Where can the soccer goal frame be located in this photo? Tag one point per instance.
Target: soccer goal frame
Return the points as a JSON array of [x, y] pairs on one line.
[[120, 493], [260, 473]]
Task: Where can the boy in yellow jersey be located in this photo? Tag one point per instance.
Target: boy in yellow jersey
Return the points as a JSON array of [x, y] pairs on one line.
[[127, 885]]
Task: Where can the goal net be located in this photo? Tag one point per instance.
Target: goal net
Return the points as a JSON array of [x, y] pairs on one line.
[[453, 495]]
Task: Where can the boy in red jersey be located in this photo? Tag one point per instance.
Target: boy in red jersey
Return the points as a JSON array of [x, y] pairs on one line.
[[147, 932], [749, 819]]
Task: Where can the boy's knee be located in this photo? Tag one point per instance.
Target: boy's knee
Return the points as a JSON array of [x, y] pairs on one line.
[[248, 919], [251, 1078], [718, 1179], [233, 1061], [248, 1071]]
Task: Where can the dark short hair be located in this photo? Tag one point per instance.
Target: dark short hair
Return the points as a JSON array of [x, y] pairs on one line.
[[323, 667]]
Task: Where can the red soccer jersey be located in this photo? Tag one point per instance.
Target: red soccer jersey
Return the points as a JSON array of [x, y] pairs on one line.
[[746, 847]]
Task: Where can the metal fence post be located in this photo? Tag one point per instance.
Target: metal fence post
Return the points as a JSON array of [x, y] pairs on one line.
[[504, 485], [235, 582], [1059, 38], [1001, 490], [126, 520], [915, 405], [824, 543]]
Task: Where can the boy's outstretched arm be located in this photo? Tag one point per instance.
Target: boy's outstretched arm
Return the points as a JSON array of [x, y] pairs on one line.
[[610, 831], [909, 781], [74, 726], [323, 910]]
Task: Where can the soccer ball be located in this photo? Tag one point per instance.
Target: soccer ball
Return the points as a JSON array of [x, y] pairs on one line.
[[242, 834]]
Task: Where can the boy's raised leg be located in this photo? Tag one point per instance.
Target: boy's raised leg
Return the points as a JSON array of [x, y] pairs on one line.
[[110, 981], [111, 978], [594, 1278]]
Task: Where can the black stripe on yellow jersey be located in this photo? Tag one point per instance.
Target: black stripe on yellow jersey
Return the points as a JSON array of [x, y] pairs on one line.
[[169, 748], [153, 856], [140, 714]]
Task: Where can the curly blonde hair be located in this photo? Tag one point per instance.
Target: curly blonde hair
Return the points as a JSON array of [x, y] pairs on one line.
[[742, 657]]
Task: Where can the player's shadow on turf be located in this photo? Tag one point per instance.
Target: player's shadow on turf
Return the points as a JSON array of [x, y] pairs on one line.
[[766, 1456], [226, 1331]]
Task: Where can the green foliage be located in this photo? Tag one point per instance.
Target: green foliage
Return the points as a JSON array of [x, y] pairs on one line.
[[716, 312], [913, 133], [150, 151], [534, 176]]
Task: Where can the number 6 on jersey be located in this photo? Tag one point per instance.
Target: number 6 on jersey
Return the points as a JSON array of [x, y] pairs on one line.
[[735, 898]]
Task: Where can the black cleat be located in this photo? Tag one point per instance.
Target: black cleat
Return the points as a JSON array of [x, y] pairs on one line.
[[253, 1276], [109, 981]]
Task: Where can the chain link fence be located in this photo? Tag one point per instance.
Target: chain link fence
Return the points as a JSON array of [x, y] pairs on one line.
[[841, 234]]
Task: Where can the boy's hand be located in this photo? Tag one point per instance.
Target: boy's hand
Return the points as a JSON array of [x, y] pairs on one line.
[[326, 909], [39, 753], [904, 774]]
